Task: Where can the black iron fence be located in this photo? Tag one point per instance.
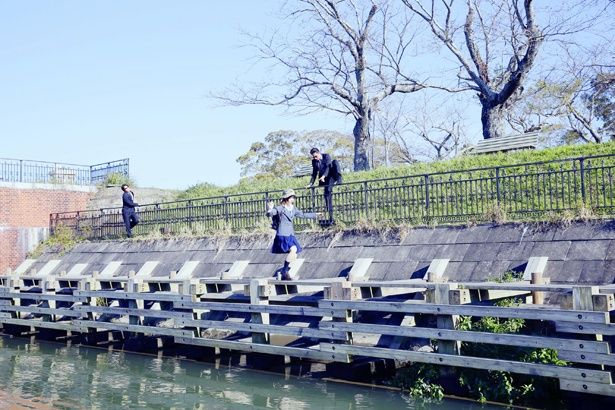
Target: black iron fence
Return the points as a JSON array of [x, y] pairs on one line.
[[20, 170], [522, 191]]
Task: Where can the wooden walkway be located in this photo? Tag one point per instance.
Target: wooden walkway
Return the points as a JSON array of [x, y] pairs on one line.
[[327, 320]]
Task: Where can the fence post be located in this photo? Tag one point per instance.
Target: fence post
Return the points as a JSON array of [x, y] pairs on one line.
[[497, 185], [427, 195], [582, 170], [190, 215], [366, 199], [21, 170], [226, 209]]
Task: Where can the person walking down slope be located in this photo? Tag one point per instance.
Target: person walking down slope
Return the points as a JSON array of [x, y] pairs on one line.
[[128, 210], [285, 241]]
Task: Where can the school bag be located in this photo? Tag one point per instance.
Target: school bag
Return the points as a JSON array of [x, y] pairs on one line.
[[275, 219]]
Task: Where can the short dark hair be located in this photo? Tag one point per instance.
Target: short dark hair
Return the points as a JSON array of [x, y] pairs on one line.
[[314, 151], [124, 186]]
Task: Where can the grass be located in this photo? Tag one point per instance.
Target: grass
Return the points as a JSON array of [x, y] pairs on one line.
[[271, 184]]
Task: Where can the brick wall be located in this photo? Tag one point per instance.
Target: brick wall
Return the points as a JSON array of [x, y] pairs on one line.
[[24, 216]]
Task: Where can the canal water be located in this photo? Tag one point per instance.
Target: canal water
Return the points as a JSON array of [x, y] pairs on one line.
[[43, 375]]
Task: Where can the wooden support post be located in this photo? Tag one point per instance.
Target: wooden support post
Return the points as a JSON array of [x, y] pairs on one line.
[[259, 295], [441, 296], [134, 286], [343, 291], [583, 299], [538, 298]]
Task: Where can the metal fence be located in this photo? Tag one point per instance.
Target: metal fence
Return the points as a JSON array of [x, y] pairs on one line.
[[20, 170], [526, 191]]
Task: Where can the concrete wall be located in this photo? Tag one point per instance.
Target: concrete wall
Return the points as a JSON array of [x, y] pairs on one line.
[[579, 253], [24, 215]]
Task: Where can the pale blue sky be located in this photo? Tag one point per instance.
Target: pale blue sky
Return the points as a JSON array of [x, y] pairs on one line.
[[91, 81]]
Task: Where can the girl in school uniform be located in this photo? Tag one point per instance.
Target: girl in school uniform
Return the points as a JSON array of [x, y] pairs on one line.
[[285, 240]]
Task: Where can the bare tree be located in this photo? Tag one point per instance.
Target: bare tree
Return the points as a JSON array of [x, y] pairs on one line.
[[578, 97], [491, 28], [345, 56], [427, 128]]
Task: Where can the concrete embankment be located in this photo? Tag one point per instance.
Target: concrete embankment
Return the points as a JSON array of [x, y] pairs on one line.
[[579, 253]]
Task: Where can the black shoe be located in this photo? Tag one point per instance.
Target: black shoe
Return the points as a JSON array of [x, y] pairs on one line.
[[284, 274]]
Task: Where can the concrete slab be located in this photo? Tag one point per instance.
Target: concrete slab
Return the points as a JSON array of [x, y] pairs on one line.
[[24, 266], [554, 250], [453, 252], [588, 250], [514, 250], [535, 264], [505, 233], [474, 234], [460, 271], [482, 252], [418, 236]]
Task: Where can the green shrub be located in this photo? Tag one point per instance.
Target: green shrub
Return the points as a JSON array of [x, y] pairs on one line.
[[63, 239], [117, 179]]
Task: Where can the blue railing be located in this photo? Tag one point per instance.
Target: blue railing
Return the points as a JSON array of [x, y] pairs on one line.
[[21, 170]]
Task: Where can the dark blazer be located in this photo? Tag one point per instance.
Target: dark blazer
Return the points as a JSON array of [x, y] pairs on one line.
[[128, 201], [324, 168]]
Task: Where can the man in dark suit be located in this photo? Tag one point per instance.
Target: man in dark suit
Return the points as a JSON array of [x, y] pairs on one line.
[[128, 209], [328, 173]]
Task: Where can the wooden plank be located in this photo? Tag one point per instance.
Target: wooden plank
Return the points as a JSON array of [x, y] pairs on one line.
[[154, 296], [248, 308], [585, 328], [421, 285], [317, 283], [301, 352], [136, 312], [582, 297], [264, 328], [468, 310], [581, 346], [209, 281], [587, 357], [39, 323], [148, 330], [45, 296], [519, 286], [586, 387], [482, 363], [42, 310]]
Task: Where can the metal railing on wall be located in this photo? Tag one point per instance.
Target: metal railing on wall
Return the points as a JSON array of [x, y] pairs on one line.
[[525, 191], [20, 170]]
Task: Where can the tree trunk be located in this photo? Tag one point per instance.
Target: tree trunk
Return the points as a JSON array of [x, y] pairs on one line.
[[492, 118], [361, 141]]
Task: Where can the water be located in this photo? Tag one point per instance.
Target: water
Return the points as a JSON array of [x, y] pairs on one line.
[[43, 375]]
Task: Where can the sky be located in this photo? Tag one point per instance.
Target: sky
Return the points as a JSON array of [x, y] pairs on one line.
[[92, 81]]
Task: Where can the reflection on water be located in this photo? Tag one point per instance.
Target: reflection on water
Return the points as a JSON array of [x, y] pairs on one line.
[[53, 375]]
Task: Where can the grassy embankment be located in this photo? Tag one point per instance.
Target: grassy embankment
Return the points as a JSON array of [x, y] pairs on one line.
[[261, 184]]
